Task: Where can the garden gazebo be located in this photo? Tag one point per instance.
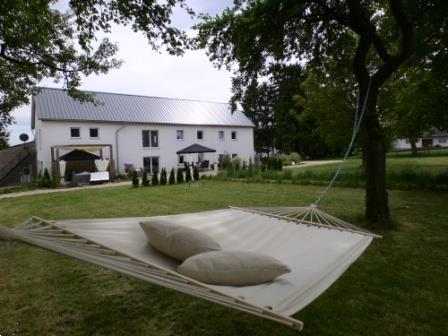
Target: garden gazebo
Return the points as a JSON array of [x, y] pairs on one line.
[[196, 149]]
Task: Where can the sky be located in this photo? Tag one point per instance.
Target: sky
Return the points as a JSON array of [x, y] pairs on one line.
[[147, 72]]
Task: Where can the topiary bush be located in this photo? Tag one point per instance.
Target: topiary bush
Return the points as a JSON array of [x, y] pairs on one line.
[[145, 180], [172, 179], [155, 179], [163, 177], [45, 181], [195, 173], [188, 177], [180, 176], [135, 181]]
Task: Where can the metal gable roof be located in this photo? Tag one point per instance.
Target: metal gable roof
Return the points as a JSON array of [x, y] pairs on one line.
[[56, 104]]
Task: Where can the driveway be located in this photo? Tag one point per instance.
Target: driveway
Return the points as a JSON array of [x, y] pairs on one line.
[[311, 163]]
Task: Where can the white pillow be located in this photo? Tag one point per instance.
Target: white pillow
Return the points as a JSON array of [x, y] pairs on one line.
[[233, 268], [178, 242]]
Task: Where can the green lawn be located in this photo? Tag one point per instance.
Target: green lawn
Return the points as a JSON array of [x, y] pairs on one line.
[[403, 172], [398, 287]]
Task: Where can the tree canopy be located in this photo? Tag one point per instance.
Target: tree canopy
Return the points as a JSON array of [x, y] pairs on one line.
[[38, 41], [361, 41]]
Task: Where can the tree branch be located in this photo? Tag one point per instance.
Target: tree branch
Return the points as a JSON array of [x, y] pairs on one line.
[[47, 64], [361, 24], [359, 61], [406, 47]]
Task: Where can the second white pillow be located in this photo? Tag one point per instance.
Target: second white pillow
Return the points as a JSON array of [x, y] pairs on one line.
[[233, 268]]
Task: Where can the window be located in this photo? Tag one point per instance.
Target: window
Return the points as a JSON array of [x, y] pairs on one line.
[[220, 135], [150, 138], [234, 155], [75, 132], [200, 135], [151, 164], [233, 135], [93, 133], [181, 159], [180, 134], [442, 140]]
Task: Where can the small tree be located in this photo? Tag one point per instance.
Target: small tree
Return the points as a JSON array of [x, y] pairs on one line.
[[236, 163], [55, 181], [163, 178], [195, 173], [188, 175], [145, 180], [135, 180], [45, 180], [155, 179], [172, 178], [180, 176]]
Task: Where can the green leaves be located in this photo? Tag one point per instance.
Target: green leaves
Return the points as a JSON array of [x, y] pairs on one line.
[[39, 41]]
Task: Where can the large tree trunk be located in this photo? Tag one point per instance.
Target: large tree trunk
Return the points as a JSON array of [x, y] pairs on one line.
[[377, 206], [377, 209]]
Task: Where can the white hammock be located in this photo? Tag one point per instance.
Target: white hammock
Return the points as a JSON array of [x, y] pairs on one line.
[[316, 253]]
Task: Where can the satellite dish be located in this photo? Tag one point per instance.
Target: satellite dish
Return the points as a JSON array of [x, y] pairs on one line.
[[23, 137]]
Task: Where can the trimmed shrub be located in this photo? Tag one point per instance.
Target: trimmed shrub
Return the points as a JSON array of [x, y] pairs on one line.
[[163, 178], [236, 163], [188, 175], [145, 180], [180, 176], [155, 179], [172, 179], [55, 180], [45, 180], [135, 180], [195, 173]]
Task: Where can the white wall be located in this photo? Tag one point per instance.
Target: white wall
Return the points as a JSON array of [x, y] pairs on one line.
[[130, 147], [405, 144]]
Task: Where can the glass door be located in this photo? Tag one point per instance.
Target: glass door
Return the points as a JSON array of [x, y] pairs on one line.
[[151, 164]]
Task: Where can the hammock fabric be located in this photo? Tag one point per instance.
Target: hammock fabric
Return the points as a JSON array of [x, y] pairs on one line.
[[317, 249]]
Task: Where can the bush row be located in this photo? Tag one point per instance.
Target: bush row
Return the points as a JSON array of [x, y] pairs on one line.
[[404, 179], [164, 178]]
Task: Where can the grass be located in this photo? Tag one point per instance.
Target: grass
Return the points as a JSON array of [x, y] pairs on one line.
[[13, 189], [403, 173], [398, 287]]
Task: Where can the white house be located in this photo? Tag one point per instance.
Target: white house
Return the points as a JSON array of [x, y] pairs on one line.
[[138, 131], [432, 138]]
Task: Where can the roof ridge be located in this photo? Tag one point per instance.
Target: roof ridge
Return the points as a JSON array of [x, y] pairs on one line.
[[134, 95]]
